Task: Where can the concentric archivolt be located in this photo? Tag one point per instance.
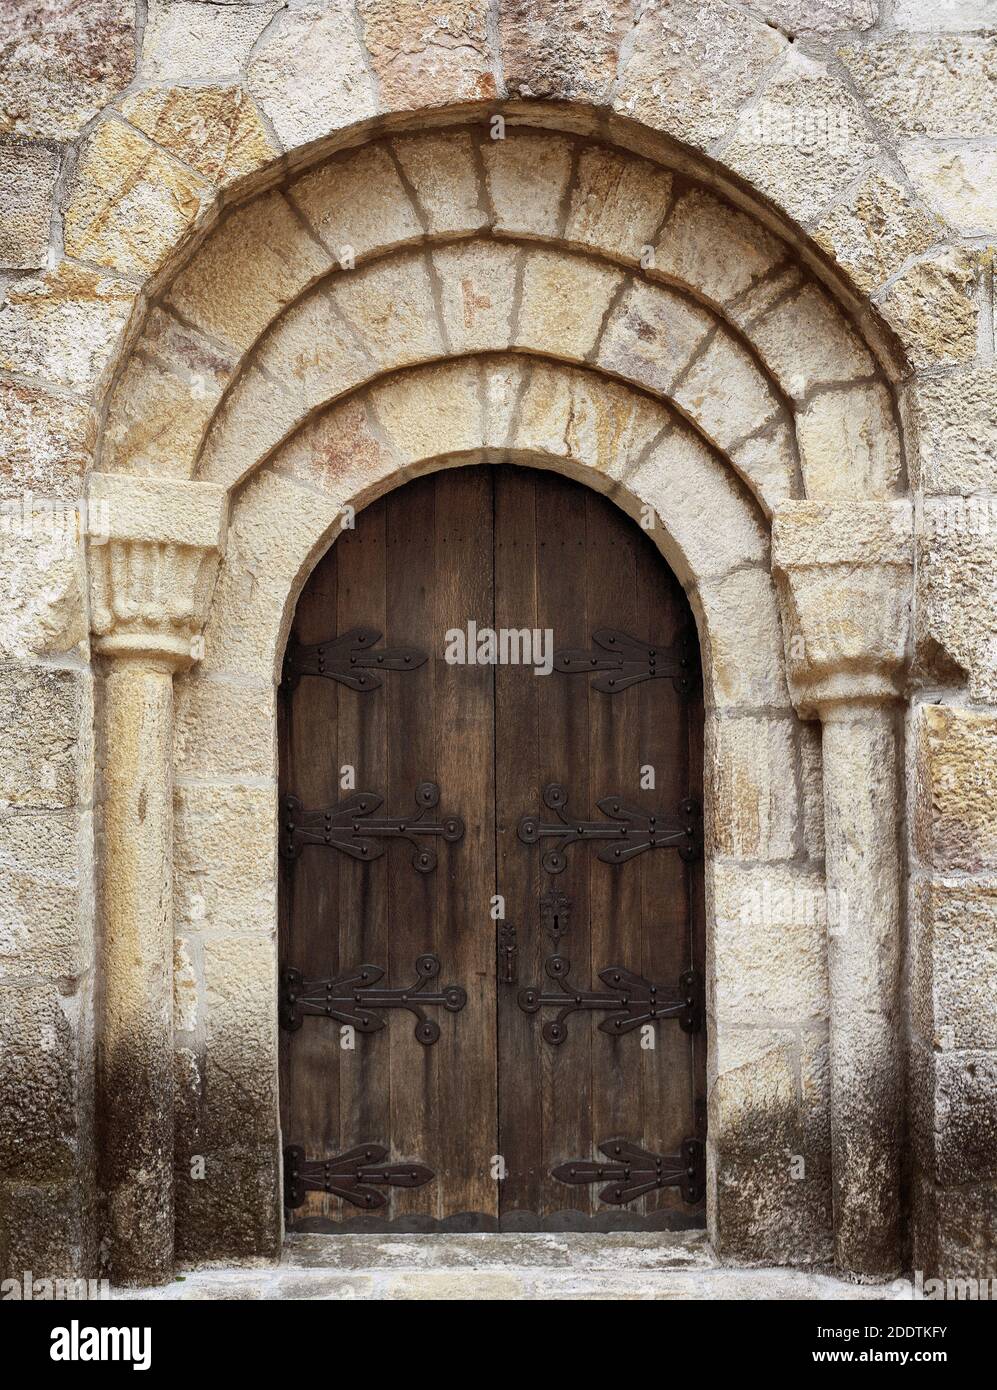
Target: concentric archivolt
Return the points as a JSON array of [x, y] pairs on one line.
[[428, 247]]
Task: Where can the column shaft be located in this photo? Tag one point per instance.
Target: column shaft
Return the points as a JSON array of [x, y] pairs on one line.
[[865, 903]]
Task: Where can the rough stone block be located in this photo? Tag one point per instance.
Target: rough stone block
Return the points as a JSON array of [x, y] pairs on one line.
[[64, 325], [427, 57], [442, 170], [61, 63], [309, 72], [688, 67], [617, 203], [527, 177], [225, 851], [873, 230], [954, 963], [27, 184], [357, 204], [564, 303], [41, 713], [956, 766], [46, 443], [186, 40], [753, 796], [652, 336], [215, 130], [710, 244], [276, 263], [932, 306], [477, 294]]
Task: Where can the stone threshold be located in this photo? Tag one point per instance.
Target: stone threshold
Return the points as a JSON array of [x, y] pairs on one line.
[[508, 1265]]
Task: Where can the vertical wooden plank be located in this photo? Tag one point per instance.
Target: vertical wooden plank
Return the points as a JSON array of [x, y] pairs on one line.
[[566, 1101], [463, 724], [413, 898], [613, 542], [363, 897], [666, 923], [517, 790], [312, 884]]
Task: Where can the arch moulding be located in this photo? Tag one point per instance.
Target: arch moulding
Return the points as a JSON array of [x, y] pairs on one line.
[[437, 299]]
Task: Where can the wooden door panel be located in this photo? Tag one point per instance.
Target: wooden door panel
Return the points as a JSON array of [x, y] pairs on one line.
[[508, 548]]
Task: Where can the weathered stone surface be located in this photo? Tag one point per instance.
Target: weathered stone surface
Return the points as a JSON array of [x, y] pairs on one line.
[[162, 404], [956, 763], [422, 56], [741, 638], [309, 73], [709, 527], [652, 336], [804, 141], [261, 575], [956, 415], [726, 393], [223, 879], [795, 17], [64, 325], [430, 413], [959, 1105], [341, 451], [593, 422], [562, 52], [223, 729], [44, 925], [937, 85], [564, 303], [835, 351], [954, 958], [769, 944], [955, 1233], [928, 15], [753, 803], [46, 443], [41, 712], [849, 443], [215, 130], [357, 204], [442, 169], [617, 203], [527, 178], [275, 264], [874, 229], [43, 605], [933, 308], [477, 293], [769, 464], [233, 1212], [130, 204], [712, 246], [27, 182], [188, 40], [37, 1113], [956, 612], [62, 61], [960, 185], [687, 68]]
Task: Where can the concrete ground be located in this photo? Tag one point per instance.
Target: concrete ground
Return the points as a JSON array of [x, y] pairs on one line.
[[510, 1265]]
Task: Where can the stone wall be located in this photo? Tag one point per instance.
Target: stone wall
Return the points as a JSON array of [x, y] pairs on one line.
[[170, 176]]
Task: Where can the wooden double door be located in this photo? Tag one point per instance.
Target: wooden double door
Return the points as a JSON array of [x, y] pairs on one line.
[[491, 872]]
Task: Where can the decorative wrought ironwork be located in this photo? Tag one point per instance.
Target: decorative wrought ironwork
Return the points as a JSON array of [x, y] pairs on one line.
[[353, 828], [352, 999], [352, 659], [555, 913], [354, 1176], [508, 953], [630, 1002], [633, 1172], [622, 661], [634, 830]]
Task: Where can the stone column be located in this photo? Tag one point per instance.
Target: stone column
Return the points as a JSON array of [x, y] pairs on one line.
[[844, 574], [154, 548]]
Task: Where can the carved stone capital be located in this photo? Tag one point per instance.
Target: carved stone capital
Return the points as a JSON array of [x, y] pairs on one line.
[[844, 573], [154, 545]]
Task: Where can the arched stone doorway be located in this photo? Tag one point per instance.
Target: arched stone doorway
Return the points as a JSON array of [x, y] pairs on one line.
[[500, 303], [491, 818]]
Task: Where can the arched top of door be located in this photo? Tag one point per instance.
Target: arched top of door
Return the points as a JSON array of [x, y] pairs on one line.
[[419, 247]]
